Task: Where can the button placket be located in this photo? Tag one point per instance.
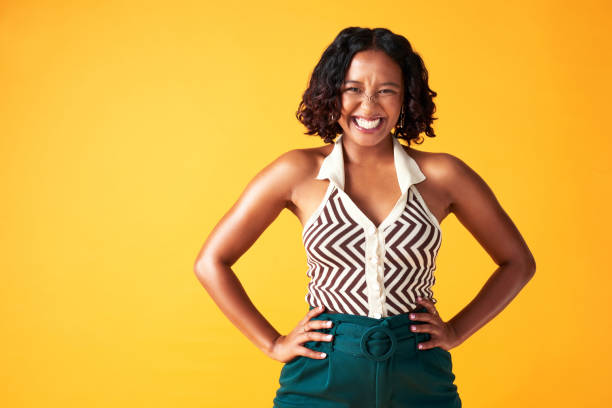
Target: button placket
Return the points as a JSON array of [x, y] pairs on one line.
[[381, 270], [373, 268]]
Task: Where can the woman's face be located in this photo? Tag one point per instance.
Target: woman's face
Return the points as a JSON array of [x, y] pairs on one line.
[[372, 95]]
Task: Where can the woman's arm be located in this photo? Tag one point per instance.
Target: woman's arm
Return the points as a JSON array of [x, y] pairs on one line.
[[263, 199], [477, 208]]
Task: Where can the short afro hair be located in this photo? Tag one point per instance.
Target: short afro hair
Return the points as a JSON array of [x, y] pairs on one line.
[[321, 103]]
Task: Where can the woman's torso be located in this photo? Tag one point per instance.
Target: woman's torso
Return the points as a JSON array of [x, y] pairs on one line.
[[350, 216]]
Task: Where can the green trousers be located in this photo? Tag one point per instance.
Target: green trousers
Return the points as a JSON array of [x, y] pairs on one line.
[[370, 363]]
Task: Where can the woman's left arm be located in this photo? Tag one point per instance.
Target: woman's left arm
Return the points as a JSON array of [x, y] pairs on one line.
[[477, 208]]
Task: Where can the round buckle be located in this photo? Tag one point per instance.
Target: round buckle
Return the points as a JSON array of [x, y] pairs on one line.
[[374, 329]]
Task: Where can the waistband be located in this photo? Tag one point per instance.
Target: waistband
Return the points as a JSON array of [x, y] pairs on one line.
[[375, 339]]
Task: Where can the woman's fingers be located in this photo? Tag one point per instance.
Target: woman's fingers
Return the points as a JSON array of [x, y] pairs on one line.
[[426, 328], [314, 336], [317, 324], [305, 324], [428, 345], [435, 335], [306, 331], [322, 324], [441, 333], [423, 317], [312, 313], [306, 352], [428, 304]]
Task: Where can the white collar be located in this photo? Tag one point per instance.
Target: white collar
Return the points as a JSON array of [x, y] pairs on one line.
[[407, 169]]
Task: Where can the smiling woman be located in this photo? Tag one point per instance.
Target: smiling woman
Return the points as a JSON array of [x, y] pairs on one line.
[[371, 210], [399, 84]]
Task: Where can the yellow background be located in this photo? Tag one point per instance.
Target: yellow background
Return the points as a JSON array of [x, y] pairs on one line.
[[128, 129]]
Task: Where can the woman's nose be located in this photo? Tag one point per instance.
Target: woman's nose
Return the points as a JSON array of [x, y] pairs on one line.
[[368, 99]]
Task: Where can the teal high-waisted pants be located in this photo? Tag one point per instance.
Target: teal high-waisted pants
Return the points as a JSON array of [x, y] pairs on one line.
[[370, 363]]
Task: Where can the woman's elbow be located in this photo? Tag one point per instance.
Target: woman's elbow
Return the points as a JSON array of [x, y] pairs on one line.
[[203, 268], [528, 265]]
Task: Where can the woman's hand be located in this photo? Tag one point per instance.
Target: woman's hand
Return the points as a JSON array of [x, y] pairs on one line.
[[442, 334], [285, 348]]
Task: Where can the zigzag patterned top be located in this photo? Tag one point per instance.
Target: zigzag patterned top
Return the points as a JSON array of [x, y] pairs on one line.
[[358, 268]]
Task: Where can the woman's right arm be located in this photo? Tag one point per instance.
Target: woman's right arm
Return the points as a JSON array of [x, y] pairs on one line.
[[260, 203]]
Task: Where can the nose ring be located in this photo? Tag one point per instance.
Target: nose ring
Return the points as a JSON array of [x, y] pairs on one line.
[[370, 98]]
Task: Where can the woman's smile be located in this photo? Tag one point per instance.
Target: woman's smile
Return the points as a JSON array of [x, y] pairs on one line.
[[367, 126]]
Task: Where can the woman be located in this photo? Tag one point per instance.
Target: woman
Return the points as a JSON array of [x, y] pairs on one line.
[[378, 340]]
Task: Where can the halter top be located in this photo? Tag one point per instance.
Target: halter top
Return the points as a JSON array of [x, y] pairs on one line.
[[357, 268]]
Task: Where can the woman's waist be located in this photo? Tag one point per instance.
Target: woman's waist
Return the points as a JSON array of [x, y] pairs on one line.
[[416, 309]]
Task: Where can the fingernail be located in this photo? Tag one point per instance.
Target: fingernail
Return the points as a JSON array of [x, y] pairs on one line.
[[323, 354], [413, 328], [419, 298], [328, 337], [420, 346], [320, 307], [412, 316], [329, 324]]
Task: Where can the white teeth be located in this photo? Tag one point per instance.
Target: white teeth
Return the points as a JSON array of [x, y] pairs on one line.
[[367, 124]]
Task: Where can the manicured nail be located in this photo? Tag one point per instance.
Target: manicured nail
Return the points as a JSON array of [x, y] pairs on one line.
[[413, 328], [320, 307], [323, 354], [420, 346], [412, 316], [328, 337], [329, 324]]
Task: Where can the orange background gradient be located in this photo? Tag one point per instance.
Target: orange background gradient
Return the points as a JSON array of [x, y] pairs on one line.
[[128, 128]]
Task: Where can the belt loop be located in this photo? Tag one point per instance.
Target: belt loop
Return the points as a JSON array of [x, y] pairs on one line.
[[333, 333]]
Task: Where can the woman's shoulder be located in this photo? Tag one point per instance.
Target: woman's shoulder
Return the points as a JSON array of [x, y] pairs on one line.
[[441, 166], [450, 174], [303, 163], [309, 155], [282, 176]]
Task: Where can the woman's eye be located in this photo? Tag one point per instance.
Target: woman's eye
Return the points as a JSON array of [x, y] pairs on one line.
[[389, 91], [353, 89]]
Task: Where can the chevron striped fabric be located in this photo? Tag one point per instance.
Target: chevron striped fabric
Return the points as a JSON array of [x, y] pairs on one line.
[[356, 267]]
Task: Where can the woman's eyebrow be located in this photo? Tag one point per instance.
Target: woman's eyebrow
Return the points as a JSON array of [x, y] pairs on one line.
[[384, 83]]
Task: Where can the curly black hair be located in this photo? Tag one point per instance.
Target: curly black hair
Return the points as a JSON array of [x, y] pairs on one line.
[[321, 103]]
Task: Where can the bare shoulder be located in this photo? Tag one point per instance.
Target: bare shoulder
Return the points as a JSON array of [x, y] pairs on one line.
[[450, 176], [302, 160], [460, 183], [435, 165], [440, 165], [296, 167], [439, 168]]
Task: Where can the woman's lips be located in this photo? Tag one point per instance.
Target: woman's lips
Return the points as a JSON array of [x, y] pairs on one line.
[[366, 130]]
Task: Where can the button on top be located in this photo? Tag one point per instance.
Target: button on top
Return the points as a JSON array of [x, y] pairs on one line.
[[374, 259], [372, 229]]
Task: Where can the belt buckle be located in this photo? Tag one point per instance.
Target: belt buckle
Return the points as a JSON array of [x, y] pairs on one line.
[[379, 328]]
